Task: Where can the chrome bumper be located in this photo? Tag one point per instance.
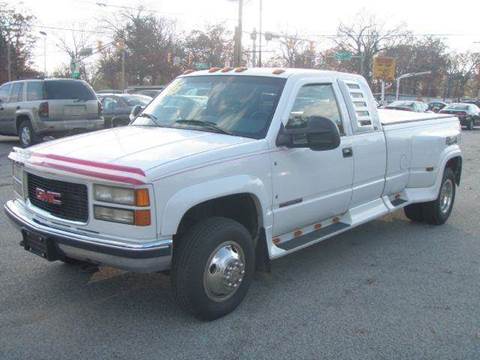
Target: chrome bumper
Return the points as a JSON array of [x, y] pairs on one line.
[[146, 257]]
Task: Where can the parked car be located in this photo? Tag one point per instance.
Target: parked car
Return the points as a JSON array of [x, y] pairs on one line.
[[468, 114], [472, 101], [148, 90], [33, 109], [436, 106], [117, 107], [272, 161], [416, 106]]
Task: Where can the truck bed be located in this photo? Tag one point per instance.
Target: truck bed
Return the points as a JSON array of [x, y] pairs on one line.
[[390, 117]]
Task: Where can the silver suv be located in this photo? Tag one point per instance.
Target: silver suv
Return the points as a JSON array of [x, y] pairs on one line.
[[33, 109]]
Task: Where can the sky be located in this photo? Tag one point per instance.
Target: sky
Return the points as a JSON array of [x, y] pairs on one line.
[[307, 18]]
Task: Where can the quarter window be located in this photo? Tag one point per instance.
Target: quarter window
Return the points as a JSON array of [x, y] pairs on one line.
[[315, 100], [34, 90], [4, 92]]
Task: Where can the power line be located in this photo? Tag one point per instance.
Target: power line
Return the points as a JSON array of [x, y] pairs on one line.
[[70, 29]]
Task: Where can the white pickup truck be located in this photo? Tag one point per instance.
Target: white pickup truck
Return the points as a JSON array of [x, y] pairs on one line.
[[227, 169]]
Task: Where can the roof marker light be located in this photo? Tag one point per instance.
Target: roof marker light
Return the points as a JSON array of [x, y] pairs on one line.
[[227, 69], [240, 69], [214, 69], [189, 71], [278, 71]]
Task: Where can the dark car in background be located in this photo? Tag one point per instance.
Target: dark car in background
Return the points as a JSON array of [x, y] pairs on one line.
[[35, 109], [407, 105], [468, 114], [117, 107]]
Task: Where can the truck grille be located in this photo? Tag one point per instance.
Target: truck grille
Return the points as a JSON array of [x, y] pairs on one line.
[[72, 204]]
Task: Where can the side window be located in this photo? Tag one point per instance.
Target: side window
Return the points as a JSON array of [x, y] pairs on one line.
[[110, 104], [17, 92], [5, 92], [315, 100], [34, 90]]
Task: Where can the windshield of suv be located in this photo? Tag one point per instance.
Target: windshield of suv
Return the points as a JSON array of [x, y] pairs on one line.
[[68, 90], [133, 100], [236, 105]]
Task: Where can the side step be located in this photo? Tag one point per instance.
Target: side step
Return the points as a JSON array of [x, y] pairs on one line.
[[314, 235], [398, 202]]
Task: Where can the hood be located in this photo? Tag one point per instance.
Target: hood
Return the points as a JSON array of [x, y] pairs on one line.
[[138, 146]]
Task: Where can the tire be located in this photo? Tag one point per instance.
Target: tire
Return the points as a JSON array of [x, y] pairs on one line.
[[201, 263], [26, 134], [471, 124], [438, 211], [414, 212]]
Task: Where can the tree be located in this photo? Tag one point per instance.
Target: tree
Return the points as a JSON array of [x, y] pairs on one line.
[[461, 75], [212, 47], [16, 44], [366, 37], [298, 52]]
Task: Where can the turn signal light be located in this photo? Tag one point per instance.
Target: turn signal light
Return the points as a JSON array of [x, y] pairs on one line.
[[142, 198], [142, 217]]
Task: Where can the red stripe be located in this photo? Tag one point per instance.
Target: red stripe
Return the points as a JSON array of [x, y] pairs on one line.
[[116, 178], [92, 163]]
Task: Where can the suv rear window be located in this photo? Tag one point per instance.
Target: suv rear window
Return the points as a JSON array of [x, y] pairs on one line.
[[68, 89]]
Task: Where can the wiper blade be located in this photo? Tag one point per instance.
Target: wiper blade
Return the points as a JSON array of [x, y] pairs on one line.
[[205, 124], [150, 116]]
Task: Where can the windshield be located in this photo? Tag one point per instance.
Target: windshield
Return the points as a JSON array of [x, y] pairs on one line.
[[133, 100], [237, 105], [457, 107]]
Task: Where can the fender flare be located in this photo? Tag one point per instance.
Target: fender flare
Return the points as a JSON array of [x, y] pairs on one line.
[[447, 155], [23, 113], [185, 199]]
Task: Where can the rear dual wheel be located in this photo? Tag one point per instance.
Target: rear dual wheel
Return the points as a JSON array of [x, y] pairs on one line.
[[438, 211]]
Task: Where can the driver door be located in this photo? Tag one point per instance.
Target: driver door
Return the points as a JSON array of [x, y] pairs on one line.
[[311, 186]]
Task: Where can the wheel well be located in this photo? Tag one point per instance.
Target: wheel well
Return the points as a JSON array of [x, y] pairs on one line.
[[456, 165], [20, 118], [243, 208]]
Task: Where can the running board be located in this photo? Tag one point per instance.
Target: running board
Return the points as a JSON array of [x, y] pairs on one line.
[[311, 236], [398, 202]]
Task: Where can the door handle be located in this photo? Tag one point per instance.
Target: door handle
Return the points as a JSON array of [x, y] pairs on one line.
[[347, 152]]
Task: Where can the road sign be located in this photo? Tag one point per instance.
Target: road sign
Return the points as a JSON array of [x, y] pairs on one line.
[[343, 56], [384, 68]]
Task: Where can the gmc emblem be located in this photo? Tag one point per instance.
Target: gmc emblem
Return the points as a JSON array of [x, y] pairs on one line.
[[48, 196]]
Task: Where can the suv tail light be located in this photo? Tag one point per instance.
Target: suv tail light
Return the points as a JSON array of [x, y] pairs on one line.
[[100, 109], [43, 109]]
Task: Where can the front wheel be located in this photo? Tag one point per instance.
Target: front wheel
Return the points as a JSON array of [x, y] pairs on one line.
[[213, 267]]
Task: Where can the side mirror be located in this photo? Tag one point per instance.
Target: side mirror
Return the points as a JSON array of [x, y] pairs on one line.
[[319, 134], [136, 110]]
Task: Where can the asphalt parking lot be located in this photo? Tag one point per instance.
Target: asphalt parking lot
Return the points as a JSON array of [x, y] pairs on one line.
[[390, 289]]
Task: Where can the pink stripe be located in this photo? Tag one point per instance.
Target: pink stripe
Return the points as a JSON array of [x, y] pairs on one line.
[[122, 179], [92, 163]]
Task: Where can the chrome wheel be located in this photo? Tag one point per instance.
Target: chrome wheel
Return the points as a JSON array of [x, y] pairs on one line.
[[26, 136], [224, 271], [446, 196]]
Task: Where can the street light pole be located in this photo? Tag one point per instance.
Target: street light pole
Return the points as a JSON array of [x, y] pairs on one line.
[[405, 76], [44, 34], [260, 34]]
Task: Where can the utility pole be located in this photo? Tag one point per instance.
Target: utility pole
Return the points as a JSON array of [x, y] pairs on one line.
[[9, 62], [44, 34], [253, 36], [238, 36], [260, 34]]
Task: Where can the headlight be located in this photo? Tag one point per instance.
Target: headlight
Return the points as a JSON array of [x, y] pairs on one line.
[[124, 216], [124, 196], [113, 214]]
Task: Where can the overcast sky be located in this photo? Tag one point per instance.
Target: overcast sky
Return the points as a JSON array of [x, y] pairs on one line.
[[308, 18]]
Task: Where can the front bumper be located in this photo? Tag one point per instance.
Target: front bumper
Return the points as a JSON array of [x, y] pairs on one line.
[[146, 257]]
